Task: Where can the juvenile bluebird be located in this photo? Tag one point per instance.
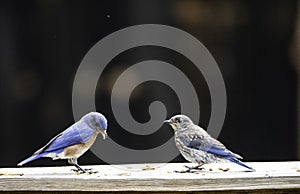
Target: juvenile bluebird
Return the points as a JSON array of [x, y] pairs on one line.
[[74, 141], [197, 146]]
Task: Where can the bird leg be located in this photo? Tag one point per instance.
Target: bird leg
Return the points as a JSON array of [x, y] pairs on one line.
[[190, 168], [80, 170]]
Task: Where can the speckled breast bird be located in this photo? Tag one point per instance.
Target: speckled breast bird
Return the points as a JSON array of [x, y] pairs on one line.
[[74, 141], [197, 146]]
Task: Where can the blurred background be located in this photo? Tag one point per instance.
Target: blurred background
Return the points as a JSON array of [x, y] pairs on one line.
[[255, 43]]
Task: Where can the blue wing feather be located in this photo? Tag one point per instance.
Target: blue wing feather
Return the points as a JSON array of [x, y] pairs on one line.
[[199, 144], [219, 151], [211, 146], [215, 150], [70, 136]]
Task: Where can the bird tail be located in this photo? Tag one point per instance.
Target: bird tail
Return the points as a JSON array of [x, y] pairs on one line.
[[234, 160], [31, 158]]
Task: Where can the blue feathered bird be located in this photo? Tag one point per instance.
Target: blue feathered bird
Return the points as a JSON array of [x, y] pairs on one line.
[[74, 141], [197, 146]]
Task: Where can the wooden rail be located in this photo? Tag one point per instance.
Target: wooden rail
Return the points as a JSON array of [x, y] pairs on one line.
[[269, 177]]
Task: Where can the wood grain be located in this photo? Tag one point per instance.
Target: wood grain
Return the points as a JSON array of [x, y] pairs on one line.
[[269, 177]]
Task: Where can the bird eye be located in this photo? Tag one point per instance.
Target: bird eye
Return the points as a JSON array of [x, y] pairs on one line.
[[178, 120]]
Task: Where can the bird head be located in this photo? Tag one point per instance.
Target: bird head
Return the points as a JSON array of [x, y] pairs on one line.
[[97, 122], [178, 122]]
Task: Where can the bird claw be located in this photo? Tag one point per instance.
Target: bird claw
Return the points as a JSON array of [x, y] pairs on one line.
[[182, 171], [189, 169], [84, 171]]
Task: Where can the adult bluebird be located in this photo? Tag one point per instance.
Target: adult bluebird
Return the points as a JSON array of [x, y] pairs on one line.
[[74, 141], [197, 146]]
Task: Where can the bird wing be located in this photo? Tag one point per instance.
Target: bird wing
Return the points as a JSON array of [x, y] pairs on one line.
[[202, 141], [70, 136]]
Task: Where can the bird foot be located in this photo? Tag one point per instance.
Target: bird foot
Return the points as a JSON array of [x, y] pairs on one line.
[[189, 169], [182, 171], [84, 171]]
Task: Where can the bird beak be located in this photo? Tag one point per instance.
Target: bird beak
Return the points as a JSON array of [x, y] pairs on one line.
[[103, 133], [168, 121]]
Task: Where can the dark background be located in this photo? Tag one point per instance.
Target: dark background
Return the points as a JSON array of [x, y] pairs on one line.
[[42, 43]]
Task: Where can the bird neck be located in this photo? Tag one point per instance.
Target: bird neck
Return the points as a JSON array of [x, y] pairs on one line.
[[182, 130]]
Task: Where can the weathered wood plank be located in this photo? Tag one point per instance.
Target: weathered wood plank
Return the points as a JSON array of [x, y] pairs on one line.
[[269, 176]]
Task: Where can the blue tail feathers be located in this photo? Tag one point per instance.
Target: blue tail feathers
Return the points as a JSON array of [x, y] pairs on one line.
[[234, 160], [31, 158]]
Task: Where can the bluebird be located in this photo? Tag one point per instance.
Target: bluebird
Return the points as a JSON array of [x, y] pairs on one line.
[[197, 146], [74, 141]]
